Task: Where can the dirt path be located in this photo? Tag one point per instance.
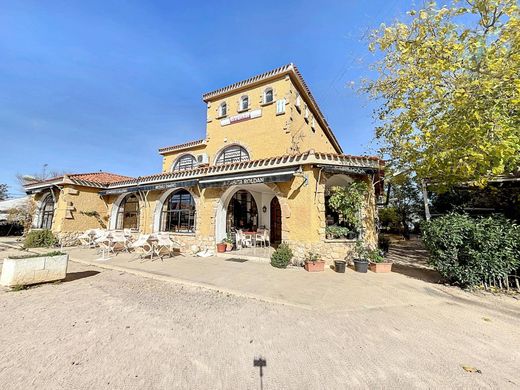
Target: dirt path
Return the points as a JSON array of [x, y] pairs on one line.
[[110, 330]]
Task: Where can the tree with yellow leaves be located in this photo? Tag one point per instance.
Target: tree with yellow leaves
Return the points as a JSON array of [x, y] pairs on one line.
[[449, 87]]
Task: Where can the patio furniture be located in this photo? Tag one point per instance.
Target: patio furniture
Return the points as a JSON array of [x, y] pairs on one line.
[[263, 237], [87, 238], [248, 239], [164, 244], [143, 246], [120, 242]]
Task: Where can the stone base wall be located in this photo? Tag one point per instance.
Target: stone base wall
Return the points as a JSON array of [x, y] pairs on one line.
[[188, 243], [327, 250], [69, 238]]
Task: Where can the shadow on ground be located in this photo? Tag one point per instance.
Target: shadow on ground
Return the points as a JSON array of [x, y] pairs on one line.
[[71, 276], [426, 275]]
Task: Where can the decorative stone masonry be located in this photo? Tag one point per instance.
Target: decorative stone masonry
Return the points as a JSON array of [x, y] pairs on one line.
[[32, 270], [69, 238], [328, 250], [188, 241]]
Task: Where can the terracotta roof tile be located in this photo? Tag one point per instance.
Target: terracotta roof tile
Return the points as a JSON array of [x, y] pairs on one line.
[[99, 177], [186, 145]]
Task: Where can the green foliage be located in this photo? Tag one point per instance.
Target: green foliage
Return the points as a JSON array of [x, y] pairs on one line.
[[338, 232], [348, 201], [375, 256], [468, 251], [311, 257], [449, 92], [40, 239], [48, 254], [282, 256]]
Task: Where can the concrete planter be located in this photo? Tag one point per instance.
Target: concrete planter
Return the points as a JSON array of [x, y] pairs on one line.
[[33, 270], [381, 267]]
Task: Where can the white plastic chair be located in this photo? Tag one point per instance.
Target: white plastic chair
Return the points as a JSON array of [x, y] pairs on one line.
[[119, 241], [142, 246], [87, 238], [165, 243]]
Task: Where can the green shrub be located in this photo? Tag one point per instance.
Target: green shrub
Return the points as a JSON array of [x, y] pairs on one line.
[[468, 251], [282, 256], [48, 254], [40, 239]]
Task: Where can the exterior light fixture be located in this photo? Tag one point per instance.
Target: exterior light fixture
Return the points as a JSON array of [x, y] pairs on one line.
[[264, 209]]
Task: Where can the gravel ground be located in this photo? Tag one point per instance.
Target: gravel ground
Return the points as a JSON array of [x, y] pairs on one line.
[[104, 329]]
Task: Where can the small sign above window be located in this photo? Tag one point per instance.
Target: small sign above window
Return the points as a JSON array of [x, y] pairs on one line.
[[241, 117]]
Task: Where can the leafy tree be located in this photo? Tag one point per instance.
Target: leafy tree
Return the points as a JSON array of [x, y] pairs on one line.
[[450, 91], [3, 192], [405, 205]]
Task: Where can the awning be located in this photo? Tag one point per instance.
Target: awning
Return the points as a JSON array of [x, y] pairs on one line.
[[348, 170], [273, 176], [151, 187]]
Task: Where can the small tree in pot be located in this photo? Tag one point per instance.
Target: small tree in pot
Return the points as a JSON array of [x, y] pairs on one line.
[[360, 261]]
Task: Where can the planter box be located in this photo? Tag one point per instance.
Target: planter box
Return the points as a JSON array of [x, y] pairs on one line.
[[381, 267], [32, 270], [314, 266]]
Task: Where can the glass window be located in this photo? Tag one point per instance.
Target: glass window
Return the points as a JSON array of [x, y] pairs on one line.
[[184, 162], [268, 95], [244, 102], [232, 154], [47, 213], [178, 213], [222, 110], [280, 106], [128, 213]]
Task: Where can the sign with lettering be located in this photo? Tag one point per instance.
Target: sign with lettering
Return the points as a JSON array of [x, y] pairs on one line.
[[154, 187], [241, 117], [228, 182]]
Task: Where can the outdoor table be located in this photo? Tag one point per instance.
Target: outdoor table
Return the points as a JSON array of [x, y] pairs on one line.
[[252, 235]]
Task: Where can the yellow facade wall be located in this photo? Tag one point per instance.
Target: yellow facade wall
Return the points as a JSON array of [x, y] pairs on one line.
[[269, 135]]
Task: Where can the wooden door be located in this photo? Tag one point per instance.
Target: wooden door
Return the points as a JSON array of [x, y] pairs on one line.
[[276, 221]]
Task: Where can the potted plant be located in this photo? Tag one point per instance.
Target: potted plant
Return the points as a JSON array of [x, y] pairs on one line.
[[360, 261], [229, 243], [377, 261], [221, 246], [313, 262], [282, 256]]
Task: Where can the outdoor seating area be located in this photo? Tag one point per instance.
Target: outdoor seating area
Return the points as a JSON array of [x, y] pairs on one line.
[[107, 242], [250, 239]]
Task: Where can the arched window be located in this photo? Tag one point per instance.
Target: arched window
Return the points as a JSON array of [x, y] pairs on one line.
[[178, 213], [244, 102], [128, 213], [222, 109], [268, 95], [184, 162], [234, 153], [242, 212], [47, 213]]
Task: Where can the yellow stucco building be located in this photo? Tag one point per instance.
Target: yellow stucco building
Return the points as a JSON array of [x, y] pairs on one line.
[[268, 161]]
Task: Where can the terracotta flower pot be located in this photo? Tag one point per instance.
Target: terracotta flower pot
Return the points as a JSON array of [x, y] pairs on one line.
[[314, 266], [381, 267], [221, 247]]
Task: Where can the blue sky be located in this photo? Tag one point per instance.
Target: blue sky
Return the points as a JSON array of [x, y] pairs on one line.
[[96, 85]]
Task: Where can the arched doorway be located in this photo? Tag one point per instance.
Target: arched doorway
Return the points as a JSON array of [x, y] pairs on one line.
[[242, 212], [276, 221], [47, 212]]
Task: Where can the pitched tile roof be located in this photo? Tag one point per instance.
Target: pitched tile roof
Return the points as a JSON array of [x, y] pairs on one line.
[[187, 145], [91, 179], [309, 157], [292, 70]]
